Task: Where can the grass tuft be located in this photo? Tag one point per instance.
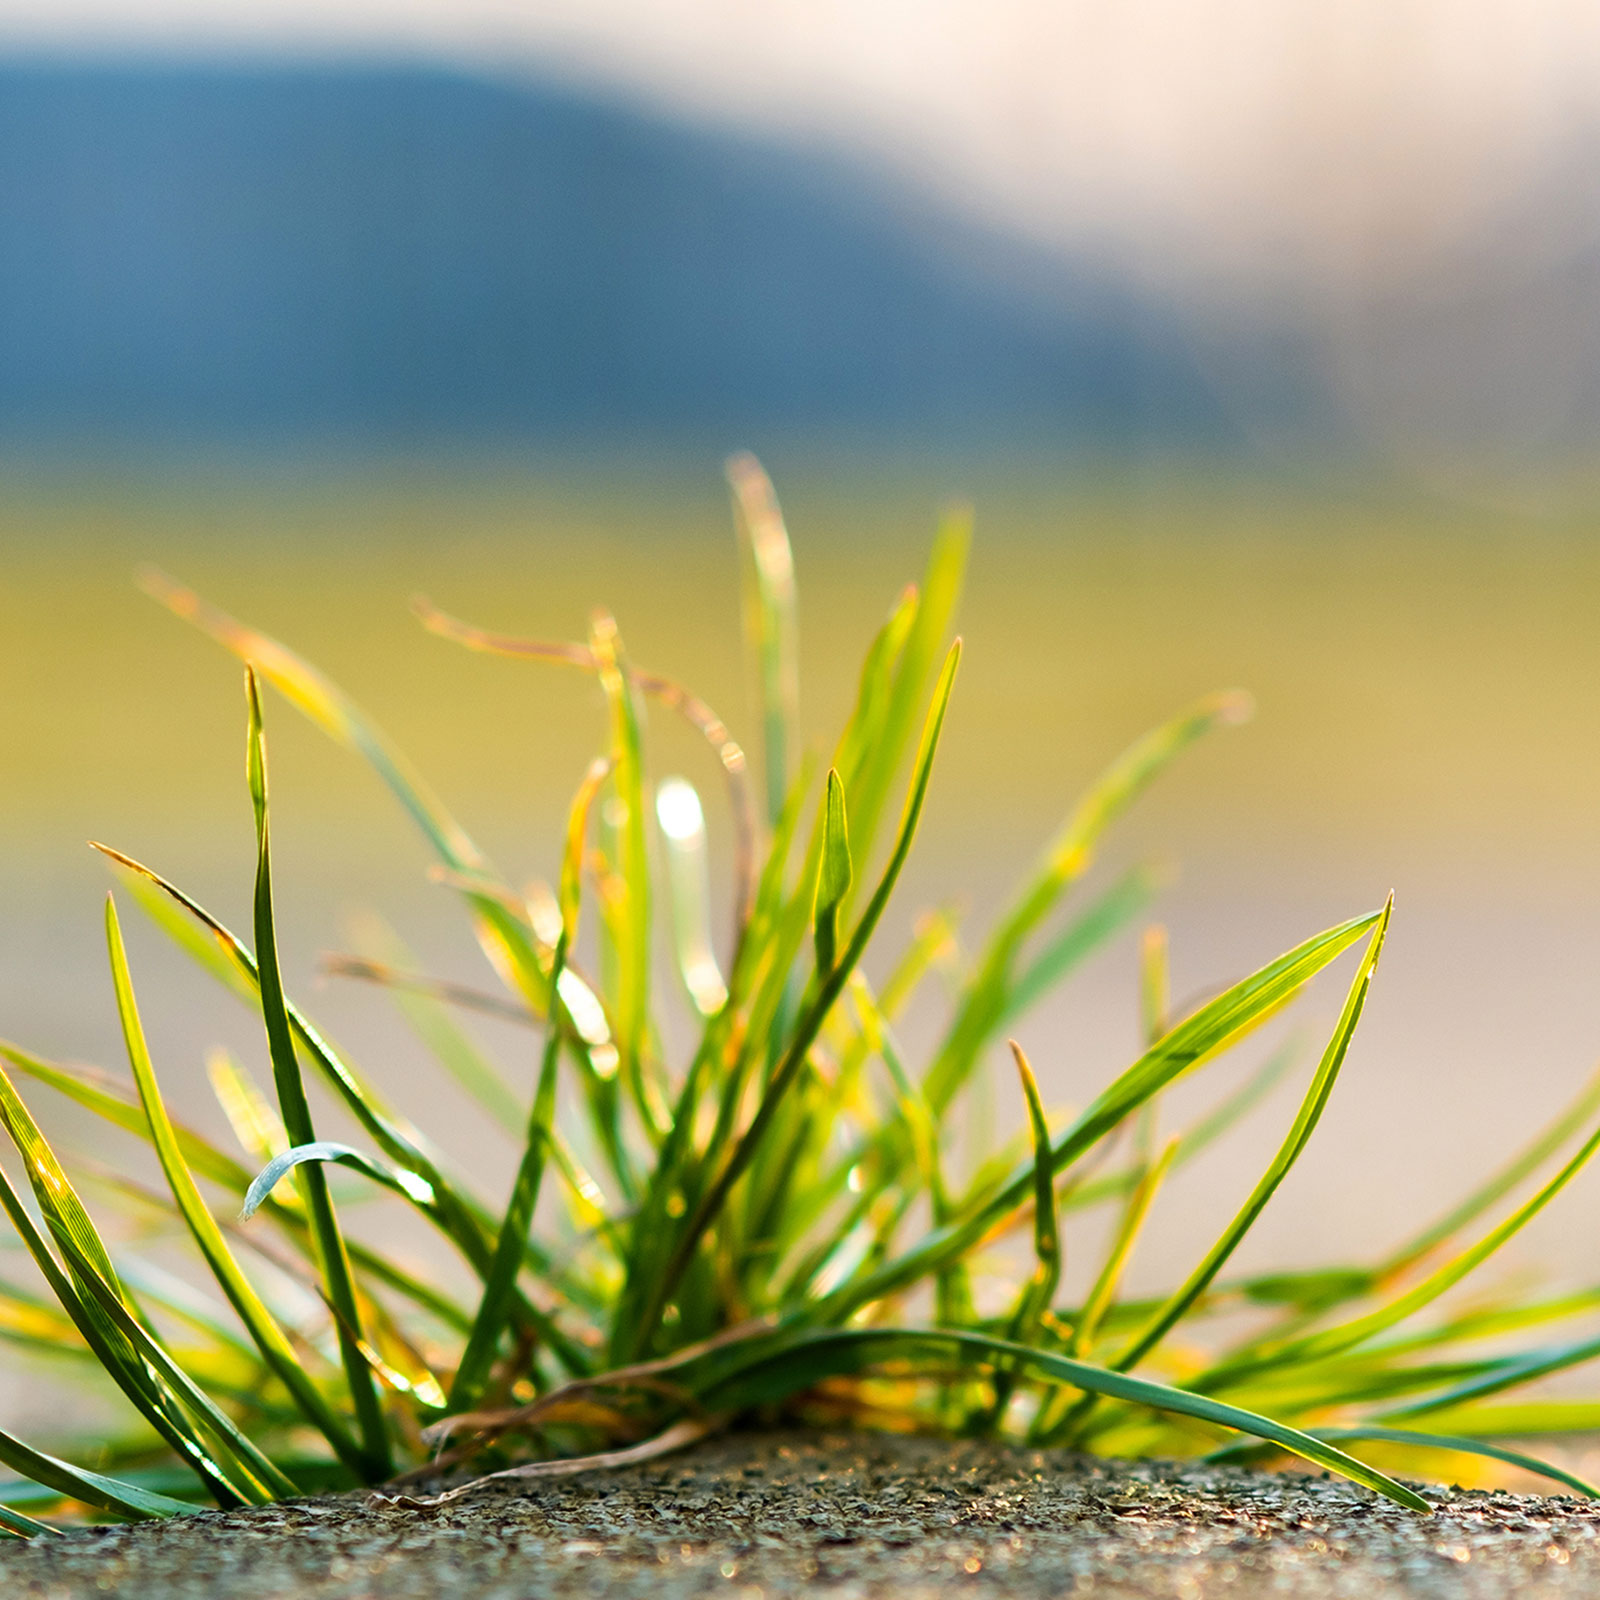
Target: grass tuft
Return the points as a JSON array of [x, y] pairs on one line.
[[743, 1202]]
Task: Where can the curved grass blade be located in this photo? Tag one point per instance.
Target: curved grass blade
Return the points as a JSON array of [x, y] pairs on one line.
[[107, 1098], [457, 1216], [1470, 1447], [259, 1322], [296, 1112], [78, 1483], [1177, 1305], [494, 1308], [785, 1366], [69, 1224], [984, 999], [262, 1479], [417, 1190], [810, 1022]]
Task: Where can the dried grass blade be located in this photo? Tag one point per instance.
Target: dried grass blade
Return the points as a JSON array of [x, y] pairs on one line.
[[771, 620]]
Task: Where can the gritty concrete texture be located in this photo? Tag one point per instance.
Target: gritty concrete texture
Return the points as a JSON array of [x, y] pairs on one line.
[[768, 1517]]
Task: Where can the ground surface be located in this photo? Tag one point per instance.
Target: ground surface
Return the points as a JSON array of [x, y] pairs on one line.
[[763, 1517]]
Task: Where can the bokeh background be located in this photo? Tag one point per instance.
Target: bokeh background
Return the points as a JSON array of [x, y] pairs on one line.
[[1263, 335]]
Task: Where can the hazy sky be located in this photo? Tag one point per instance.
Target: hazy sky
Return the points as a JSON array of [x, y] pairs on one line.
[[1333, 141]]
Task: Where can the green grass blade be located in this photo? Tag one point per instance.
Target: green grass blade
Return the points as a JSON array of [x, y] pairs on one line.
[[58, 1201], [259, 1322], [494, 1308], [296, 1112], [1526, 1161], [877, 755], [1470, 1447], [833, 875], [1034, 1300], [784, 1367], [107, 1099], [1345, 1336], [771, 621], [812, 1016], [241, 1458], [116, 1355], [1046, 1218], [456, 1215], [1068, 857], [78, 1483], [93, 1298], [1509, 1374], [1103, 1292], [1179, 1302], [1095, 926], [19, 1525]]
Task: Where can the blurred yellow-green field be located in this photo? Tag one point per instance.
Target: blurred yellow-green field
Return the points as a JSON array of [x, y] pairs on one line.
[[1426, 674], [1428, 688]]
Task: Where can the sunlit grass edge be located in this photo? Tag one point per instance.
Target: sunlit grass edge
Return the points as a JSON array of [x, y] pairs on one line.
[[771, 1225]]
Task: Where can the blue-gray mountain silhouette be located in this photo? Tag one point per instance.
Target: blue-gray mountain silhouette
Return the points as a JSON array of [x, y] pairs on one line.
[[193, 251]]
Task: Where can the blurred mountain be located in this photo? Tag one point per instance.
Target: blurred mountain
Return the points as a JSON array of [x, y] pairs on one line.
[[193, 252]]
